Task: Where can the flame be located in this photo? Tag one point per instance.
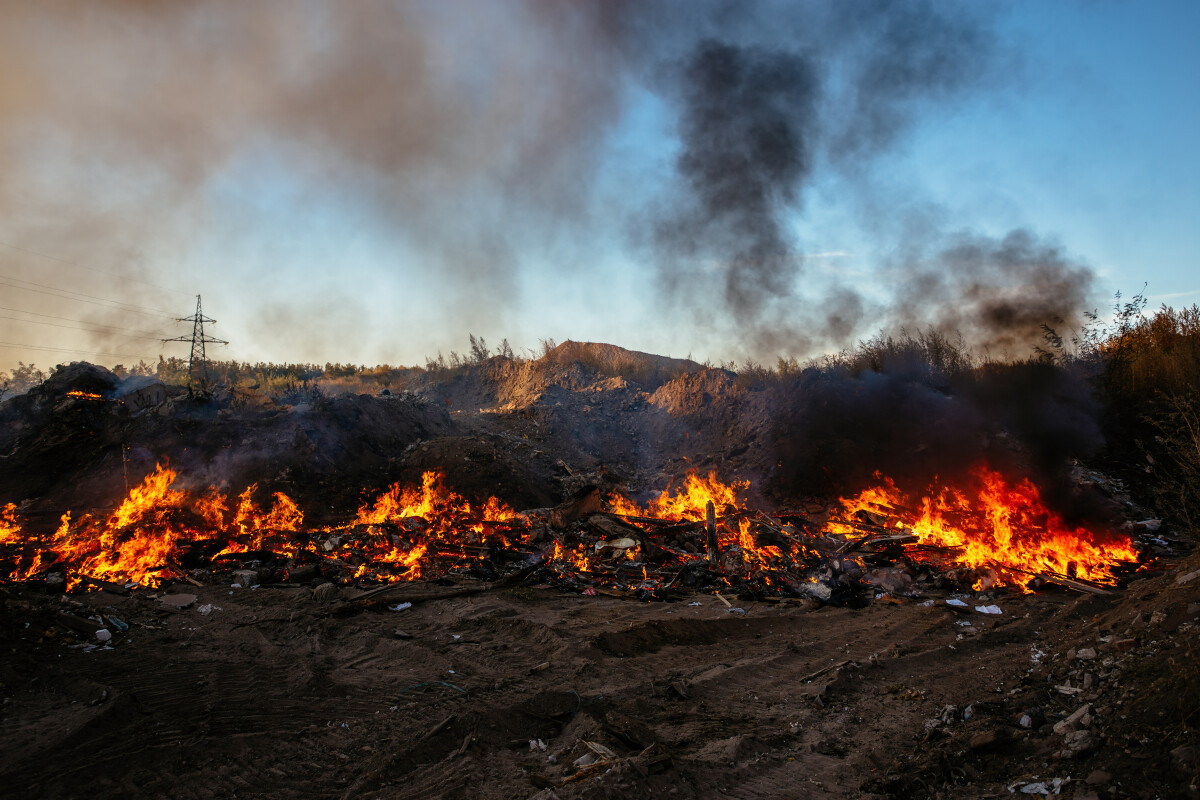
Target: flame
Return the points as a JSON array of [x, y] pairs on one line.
[[10, 529], [256, 529], [133, 543], [212, 508], [428, 530], [433, 501], [992, 525], [84, 395], [687, 503], [445, 521], [753, 554]]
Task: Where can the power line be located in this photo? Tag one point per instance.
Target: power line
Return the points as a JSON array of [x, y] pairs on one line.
[[112, 330], [89, 268], [64, 319], [81, 297], [16, 345]]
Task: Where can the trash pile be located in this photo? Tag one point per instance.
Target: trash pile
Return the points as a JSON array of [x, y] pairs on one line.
[[697, 536]]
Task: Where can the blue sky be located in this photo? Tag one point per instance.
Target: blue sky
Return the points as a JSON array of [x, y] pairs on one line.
[[143, 171]]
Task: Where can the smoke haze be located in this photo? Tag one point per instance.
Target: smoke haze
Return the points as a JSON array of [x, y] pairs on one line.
[[479, 142]]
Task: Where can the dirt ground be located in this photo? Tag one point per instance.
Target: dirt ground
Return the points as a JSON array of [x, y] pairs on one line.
[[275, 692]]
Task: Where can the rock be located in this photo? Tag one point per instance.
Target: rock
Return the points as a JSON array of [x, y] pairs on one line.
[[324, 593], [245, 578], [1069, 724], [1124, 645], [1077, 743], [178, 600], [891, 580], [1085, 654], [1098, 777], [56, 582], [1191, 576]]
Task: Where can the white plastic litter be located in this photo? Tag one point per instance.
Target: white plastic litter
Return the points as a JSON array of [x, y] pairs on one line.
[[954, 601], [400, 607], [988, 609]]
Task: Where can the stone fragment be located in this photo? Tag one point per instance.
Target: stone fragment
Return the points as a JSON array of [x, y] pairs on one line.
[[1070, 723], [1077, 743], [178, 600], [245, 578], [324, 593]]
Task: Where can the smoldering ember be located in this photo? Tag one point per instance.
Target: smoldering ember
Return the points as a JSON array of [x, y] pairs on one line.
[[595, 573]]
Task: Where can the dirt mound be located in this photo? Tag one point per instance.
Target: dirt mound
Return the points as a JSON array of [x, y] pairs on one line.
[[84, 453], [78, 376], [575, 366], [694, 393], [645, 369]]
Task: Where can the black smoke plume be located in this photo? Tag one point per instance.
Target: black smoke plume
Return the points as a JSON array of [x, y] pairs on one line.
[[829, 87], [746, 122]]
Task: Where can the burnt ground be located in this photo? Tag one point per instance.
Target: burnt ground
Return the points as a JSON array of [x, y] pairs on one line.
[[279, 692]]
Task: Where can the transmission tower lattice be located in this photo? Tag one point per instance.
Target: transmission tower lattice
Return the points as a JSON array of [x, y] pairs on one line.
[[197, 361]]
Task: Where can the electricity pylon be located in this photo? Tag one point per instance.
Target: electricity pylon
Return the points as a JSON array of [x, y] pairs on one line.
[[197, 361]]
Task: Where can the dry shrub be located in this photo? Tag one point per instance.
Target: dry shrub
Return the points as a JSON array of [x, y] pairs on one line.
[[1150, 385]]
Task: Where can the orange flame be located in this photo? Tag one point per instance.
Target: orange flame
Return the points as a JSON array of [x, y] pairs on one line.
[[687, 503], [256, 529], [136, 540], [10, 529], [451, 525], [996, 526], [433, 501]]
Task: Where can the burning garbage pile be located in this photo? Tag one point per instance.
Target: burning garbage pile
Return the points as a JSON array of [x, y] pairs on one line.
[[700, 535]]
